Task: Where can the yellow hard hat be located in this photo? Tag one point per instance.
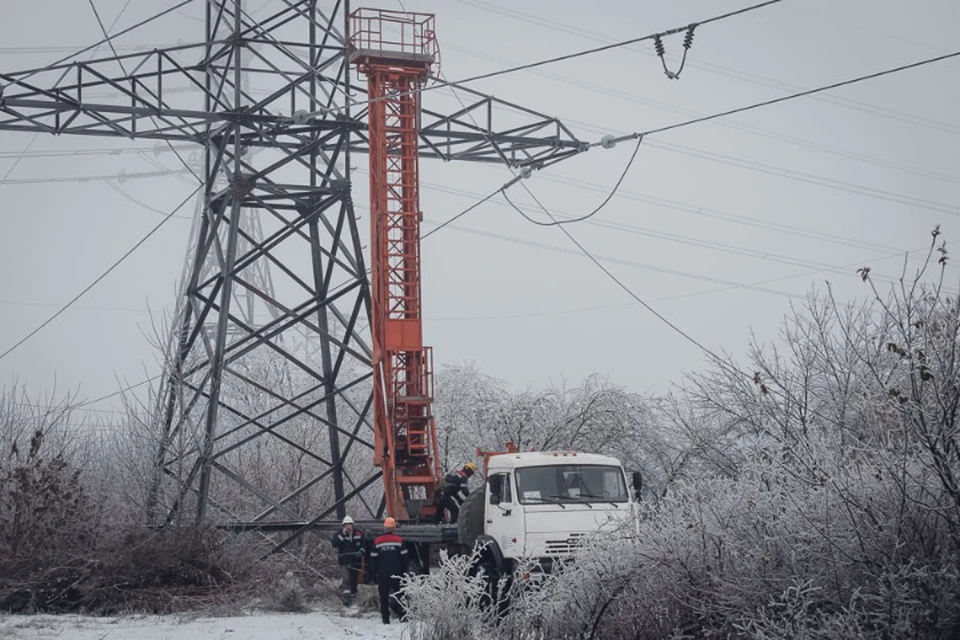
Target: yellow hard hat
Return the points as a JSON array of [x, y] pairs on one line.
[[390, 523], [470, 466]]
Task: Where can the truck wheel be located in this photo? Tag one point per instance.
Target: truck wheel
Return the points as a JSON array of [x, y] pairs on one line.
[[470, 522], [490, 564]]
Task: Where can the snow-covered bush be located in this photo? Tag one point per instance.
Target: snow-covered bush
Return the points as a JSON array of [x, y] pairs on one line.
[[450, 603], [815, 492]]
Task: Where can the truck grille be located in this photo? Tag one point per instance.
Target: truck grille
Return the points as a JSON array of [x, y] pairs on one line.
[[564, 547]]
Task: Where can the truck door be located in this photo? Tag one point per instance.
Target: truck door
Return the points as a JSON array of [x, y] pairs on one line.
[[503, 521]]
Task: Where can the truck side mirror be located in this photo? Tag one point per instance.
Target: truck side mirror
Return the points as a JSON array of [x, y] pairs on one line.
[[637, 484], [496, 488]]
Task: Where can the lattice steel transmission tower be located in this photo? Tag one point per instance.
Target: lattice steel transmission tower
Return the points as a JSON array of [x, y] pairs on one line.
[[288, 373]]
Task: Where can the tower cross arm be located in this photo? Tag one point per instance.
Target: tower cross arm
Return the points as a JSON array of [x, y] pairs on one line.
[[490, 130], [151, 94]]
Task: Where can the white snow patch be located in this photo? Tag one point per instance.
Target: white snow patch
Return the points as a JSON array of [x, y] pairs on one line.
[[266, 626]]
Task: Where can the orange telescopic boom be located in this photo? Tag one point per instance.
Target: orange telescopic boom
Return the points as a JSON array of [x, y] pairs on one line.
[[395, 51]]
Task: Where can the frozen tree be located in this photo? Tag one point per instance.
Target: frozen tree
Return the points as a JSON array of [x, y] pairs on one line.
[[597, 416], [810, 492]]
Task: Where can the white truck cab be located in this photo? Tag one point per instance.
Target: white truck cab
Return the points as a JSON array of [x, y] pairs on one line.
[[541, 505]]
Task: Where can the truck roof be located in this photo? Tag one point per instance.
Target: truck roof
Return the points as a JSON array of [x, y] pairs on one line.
[[507, 461]]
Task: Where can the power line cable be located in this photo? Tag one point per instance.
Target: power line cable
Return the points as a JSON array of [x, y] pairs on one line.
[[704, 244], [32, 72], [519, 178], [554, 60], [100, 277], [461, 214], [112, 151], [809, 178], [616, 45], [717, 214], [18, 303], [586, 216], [800, 94], [121, 177], [640, 135], [692, 294], [759, 131], [103, 28], [18, 157], [725, 71], [606, 144], [624, 287], [120, 391]]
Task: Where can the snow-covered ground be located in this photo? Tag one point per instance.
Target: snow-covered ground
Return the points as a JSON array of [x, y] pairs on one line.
[[266, 626]]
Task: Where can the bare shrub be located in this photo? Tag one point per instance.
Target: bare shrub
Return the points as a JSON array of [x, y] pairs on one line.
[[450, 603], [816, 497]]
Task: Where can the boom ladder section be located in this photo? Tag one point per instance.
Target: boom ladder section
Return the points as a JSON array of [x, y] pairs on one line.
[[395, 51]]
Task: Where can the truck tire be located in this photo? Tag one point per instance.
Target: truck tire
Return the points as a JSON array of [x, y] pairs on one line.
[[470, 522], [496, 572]]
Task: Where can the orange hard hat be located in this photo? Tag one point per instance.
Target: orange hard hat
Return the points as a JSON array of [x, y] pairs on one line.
[[390, 523]]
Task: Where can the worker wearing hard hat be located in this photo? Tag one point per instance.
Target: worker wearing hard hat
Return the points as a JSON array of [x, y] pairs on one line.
[[454, 486], [388, 562], [349, 545]]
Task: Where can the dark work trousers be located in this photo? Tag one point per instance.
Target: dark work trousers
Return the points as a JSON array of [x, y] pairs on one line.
[[348, 583], [388, 587], [451, 502]]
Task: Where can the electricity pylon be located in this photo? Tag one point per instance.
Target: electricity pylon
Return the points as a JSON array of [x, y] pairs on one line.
[[276, 199]]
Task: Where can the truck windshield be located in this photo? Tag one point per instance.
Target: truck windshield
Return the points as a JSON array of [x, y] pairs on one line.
[[571, 483]]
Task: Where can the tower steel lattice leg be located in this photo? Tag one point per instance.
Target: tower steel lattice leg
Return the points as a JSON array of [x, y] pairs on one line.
[[220, 408]]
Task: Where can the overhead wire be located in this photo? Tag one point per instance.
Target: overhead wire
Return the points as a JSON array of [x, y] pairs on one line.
[[759, 131], [722, 70], [692, 294], [717, 214], [765, 103], [625, 288], [586, 216], [801, 94], [18, 303], [32, 72], [462, 213], [584, 251], [120, 391], [797, 176], [103, 275], [616, 45], [810, 178], [121, 177], [103, 28], [568, 56], [766, 256], [639, 137]]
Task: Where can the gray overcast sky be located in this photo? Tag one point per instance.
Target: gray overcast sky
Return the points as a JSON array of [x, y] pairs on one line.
[[778, 198]]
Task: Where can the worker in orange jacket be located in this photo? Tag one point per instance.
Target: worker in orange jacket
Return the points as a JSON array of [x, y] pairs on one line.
[[389, 560]]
